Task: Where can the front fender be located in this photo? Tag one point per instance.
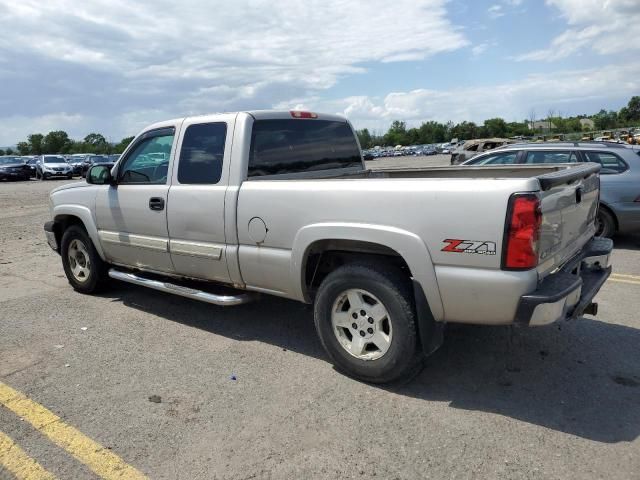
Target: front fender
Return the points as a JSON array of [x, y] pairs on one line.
[[85, 215], [408, 245]]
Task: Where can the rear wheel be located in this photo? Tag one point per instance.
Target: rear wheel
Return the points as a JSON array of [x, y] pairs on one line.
[[605, 223], [366, 322], [85, 270]]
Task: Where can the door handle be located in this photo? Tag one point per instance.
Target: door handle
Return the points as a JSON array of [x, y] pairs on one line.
[[156, 203]]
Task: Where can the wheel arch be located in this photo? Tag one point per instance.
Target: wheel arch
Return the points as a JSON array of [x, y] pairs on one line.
[[66, 215], [356, 241]]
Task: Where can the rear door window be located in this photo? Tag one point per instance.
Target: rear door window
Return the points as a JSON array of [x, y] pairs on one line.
[[556, 156], [610, 162], [504, 158], [296, 146], [202, 153]]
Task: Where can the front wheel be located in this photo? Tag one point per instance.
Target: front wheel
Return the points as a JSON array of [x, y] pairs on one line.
[[85, 270], [366, 322]]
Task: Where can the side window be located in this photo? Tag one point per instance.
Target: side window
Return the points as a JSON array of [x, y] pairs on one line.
[[610, 163], [505, 158], [550, 157], [148, 162], [202, 153]]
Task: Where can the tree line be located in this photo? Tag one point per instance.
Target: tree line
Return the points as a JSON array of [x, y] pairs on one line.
[[58, 142], [553, 123]]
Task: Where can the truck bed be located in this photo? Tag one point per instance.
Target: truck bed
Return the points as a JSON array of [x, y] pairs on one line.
[[548, 175]]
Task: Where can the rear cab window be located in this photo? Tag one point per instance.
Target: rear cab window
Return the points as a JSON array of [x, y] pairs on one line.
[[295, 146], [610, 162]]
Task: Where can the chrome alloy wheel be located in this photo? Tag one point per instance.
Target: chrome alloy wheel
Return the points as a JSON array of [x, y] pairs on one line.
[[361, 324], [79, 260]]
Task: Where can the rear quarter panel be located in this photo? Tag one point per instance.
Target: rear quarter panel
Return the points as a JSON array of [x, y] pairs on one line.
[[432, 210]]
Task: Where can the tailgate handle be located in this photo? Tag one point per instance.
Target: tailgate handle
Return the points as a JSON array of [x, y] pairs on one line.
[[578, 194]]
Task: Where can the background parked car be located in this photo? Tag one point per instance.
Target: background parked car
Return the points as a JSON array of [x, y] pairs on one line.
[[471, 148], [619, 209], [13, 168], [53, 166], [30, 163], [76, 163], [95, 160]]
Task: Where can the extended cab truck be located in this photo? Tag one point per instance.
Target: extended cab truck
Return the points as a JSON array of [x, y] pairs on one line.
[[281, 203]]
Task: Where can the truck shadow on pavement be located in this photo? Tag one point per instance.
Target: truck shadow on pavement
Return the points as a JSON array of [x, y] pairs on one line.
[[583, 380]]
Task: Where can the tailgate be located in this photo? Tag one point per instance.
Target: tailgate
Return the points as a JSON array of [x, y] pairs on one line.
[[569, 202]]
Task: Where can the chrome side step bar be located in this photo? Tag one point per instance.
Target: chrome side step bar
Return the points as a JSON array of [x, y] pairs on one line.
[[223, 300]]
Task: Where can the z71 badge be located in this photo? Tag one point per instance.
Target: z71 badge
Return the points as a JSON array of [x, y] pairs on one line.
[[469, 246]]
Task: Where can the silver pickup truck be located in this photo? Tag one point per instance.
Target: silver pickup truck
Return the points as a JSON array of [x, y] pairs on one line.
[[224, 207]]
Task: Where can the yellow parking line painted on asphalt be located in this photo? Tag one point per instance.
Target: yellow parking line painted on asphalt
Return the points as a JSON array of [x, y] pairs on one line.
[[21, 465], [620, 280], [622, 275], [99, 459]]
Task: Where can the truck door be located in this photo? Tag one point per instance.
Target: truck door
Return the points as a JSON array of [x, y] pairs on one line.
[[131, 215], [197, 198]]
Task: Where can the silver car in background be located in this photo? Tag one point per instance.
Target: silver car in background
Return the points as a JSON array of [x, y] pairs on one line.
[[53, 166], [619, 177]]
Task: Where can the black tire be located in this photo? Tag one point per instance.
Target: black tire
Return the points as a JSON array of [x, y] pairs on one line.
[[605, 224], [97, 278], [403, 358], [69, 177]]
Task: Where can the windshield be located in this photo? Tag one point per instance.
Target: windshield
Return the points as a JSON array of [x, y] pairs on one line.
[[7, 160], [53, 160], [98, 159]]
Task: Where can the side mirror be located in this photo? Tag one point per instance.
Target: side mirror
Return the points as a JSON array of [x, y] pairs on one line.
[[368, 157], [99, 175]]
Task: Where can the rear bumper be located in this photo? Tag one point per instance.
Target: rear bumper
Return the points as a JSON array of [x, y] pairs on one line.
[[569, 292]]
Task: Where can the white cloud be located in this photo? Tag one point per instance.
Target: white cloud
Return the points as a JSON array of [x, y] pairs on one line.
[[198, 55], [604, 27], [567, 91], [479, 49], [495, 11]]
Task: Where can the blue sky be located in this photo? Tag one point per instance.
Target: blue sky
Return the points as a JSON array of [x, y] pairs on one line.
[[114, 66]]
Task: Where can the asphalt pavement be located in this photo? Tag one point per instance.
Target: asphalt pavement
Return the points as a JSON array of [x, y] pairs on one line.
[[134, 382]]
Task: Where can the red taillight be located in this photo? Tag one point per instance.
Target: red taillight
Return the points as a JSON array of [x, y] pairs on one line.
[[298, 114], [520, 248]]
